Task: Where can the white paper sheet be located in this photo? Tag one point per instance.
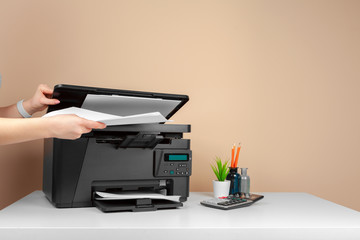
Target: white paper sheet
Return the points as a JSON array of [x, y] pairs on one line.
[[109, 119], [135, 195], [124, 105]]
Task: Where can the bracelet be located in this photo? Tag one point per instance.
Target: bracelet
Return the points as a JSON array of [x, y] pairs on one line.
[[22, 110]]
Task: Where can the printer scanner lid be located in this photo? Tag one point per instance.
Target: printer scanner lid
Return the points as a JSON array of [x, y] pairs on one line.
[[117, 102]]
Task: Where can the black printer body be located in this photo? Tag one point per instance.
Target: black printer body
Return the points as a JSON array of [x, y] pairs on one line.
[[150, 158]]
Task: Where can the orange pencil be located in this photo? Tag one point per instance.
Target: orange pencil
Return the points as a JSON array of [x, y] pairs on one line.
[[237, 155], [232, 155]]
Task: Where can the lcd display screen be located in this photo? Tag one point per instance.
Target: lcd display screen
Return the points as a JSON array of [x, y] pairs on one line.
[[176, 157]]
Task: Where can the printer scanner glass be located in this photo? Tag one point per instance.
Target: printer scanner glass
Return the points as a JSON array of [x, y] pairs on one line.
[[125, 106]]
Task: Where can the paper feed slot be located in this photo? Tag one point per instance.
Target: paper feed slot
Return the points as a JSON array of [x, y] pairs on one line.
[[136, 196], [134, 201]]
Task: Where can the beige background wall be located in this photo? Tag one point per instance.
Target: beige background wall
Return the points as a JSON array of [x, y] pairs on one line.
[[282, 77]]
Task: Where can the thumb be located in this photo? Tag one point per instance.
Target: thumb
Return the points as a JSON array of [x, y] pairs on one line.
[[93, 124]]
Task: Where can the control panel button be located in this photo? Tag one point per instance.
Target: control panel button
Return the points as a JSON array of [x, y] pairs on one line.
[[171, 172], [165, 171]]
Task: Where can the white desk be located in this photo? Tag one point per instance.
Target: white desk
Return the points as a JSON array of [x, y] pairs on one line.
[[277, 216]]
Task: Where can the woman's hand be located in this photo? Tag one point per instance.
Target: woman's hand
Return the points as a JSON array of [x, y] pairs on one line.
[[16, 130], [40, 100], [71, 126]]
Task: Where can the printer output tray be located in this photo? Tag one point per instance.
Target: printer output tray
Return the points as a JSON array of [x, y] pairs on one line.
[[135, 205]]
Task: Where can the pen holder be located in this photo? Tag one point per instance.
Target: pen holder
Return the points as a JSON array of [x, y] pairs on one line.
[[234, 178]]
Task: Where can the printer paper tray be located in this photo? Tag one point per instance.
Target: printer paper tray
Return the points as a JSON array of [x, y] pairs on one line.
[[130, 205]]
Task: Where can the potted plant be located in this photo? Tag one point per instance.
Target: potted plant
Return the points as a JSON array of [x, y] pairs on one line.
[[221, 185]]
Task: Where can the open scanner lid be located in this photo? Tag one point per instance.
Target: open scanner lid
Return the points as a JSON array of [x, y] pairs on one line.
[[117, 102]]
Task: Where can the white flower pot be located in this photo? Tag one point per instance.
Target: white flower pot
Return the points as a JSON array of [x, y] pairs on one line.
[[221, 188]]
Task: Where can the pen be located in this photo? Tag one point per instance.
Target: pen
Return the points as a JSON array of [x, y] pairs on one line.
[[237, 155], [232, 155]]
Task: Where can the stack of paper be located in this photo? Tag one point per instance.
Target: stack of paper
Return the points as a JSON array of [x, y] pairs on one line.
[[134, 195], [109, 119]]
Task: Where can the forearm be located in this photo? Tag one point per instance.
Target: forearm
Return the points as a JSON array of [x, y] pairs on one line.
[[21, 130], [10, 112]]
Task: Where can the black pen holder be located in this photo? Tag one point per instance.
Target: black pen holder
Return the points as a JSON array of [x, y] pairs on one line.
[[234, 178]]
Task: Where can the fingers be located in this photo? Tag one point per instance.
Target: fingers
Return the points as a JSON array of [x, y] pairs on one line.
[[49, 101], [46, 93]]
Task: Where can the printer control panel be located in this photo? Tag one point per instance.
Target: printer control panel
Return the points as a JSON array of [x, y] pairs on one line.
[[175, 163]]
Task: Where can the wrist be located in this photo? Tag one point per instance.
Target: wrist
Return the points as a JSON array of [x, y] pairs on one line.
[[49, 127], [29, 107]]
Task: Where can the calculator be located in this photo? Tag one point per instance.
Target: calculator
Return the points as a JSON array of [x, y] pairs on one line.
[[231, 202]]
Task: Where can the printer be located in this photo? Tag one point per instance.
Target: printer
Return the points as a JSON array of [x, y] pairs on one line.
[[151, 158]]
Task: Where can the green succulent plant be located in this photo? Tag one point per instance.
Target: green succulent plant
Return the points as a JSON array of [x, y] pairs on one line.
[[221, 170]]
